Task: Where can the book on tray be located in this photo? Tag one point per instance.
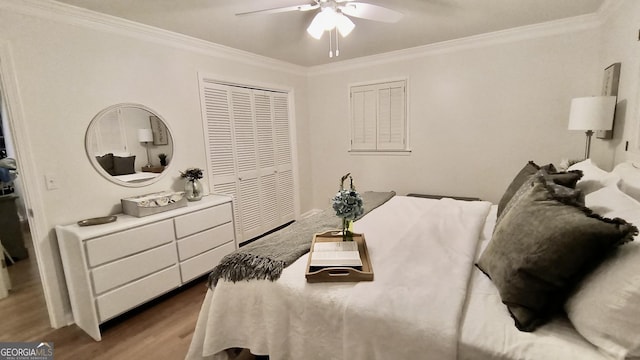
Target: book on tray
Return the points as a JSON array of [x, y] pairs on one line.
[[335, 254]]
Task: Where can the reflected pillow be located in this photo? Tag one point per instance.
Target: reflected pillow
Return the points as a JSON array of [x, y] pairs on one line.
[[542, 248], [123, 165], [605, 309], [106, 161]]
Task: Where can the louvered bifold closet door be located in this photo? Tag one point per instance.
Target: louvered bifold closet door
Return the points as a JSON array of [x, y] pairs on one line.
[[249, 152], [284, 161], [246, 161], [266, 159], [216, 110]]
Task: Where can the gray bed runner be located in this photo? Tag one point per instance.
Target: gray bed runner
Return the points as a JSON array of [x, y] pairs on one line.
[[266, 257]]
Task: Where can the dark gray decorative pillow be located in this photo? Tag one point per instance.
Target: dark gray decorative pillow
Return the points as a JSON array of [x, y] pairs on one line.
[[561, 184], [106, 161], [542, 248], [525, 173], [123, 165]]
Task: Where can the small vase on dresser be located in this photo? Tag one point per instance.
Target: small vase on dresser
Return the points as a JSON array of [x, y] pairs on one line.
[[193, 190], [192, 186]]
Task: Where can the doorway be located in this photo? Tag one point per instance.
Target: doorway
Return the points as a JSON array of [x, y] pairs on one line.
[[24, 310]]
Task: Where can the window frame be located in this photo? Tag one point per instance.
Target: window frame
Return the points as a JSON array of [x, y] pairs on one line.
[[378, 147]]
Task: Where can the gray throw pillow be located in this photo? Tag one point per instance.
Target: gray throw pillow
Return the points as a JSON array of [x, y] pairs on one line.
[[562, 185], [123, 165], [542, 247], [523, 175]]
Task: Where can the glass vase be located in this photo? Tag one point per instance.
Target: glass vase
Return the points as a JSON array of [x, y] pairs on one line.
[[193, 190], [347, 230]]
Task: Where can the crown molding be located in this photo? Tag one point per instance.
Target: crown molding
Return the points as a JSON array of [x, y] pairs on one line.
[[72, 15], [550, 28]]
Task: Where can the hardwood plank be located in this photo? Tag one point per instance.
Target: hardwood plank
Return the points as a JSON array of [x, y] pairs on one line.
[[161, 329]]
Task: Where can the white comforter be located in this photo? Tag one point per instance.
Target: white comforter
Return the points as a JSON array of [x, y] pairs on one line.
[[422, 253]]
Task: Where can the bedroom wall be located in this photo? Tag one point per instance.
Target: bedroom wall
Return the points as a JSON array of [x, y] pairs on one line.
[[478, 110], [67, 69], [620, 35]]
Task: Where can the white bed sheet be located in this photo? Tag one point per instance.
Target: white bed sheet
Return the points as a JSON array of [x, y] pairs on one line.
[[488, 333]]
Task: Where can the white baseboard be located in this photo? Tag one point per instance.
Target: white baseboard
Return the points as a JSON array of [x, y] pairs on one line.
[[310, 213]]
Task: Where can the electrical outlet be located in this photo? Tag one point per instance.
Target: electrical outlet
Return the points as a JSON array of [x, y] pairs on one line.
[[51, 180]]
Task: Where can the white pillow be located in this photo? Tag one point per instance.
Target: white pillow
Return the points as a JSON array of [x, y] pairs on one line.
[[605, 307], [593, 177], [630, 179]]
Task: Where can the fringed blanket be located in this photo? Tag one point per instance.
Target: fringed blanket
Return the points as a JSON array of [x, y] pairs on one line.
[[266, 257]]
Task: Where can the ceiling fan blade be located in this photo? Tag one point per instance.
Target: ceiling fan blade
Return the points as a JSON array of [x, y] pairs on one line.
[[304, 7], [370, 12]]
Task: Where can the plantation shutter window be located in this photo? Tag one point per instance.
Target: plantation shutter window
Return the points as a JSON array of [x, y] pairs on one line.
[[378, 117]]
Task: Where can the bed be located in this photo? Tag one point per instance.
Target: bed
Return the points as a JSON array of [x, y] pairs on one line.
[[429, 298]]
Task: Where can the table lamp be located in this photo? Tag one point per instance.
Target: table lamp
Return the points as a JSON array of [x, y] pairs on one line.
[[592, 113], [146, 136]]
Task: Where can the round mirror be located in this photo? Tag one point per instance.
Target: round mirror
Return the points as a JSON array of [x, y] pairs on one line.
[[129, 144]]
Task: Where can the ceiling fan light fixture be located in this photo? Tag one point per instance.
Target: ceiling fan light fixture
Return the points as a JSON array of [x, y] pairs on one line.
[[316, 28], [344, 25]]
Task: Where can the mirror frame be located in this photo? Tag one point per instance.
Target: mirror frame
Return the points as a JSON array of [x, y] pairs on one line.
[[101, 170]]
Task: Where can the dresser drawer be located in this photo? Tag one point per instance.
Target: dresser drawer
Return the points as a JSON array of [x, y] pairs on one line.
[[204, 241], [122, 299], [124, 243], [202, 220], [122, 271], [204, 263]]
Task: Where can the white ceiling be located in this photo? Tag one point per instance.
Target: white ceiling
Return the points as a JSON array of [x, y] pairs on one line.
[[282, 35]]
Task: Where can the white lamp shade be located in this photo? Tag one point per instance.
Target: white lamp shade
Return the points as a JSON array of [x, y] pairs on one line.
[[592, 113], [145, 135]]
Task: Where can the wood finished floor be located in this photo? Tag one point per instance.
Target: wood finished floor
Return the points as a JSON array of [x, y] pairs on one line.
[[160, 330]]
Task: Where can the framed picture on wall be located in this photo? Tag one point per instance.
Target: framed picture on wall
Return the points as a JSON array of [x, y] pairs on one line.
[[609, 88], [159, 130]]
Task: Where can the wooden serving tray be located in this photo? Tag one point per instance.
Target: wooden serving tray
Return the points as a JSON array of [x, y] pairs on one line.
[[338, 273]]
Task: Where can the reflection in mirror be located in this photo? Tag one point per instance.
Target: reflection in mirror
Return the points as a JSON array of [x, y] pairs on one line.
[[129, 144]]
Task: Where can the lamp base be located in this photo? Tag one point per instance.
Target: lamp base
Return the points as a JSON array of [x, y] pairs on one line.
[[587, 145]]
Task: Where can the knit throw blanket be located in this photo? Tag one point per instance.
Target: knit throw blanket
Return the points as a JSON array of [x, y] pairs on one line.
[[266, 257]]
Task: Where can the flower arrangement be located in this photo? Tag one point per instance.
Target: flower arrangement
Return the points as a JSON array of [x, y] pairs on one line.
[[163, 159], [192, 188], [348, 205], [191, 174]]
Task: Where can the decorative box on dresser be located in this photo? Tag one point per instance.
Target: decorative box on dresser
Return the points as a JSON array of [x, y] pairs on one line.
[[112, 268]]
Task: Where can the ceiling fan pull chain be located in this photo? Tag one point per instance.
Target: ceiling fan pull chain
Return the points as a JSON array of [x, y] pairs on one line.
[[330, 49], [337, 48]]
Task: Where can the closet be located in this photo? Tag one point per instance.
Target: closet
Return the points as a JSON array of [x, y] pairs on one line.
[[249, 154]]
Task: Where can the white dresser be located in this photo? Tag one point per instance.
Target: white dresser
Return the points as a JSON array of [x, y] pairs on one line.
[[114, 267]]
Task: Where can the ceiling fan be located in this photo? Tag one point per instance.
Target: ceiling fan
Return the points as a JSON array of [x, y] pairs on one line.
[[334, 14]]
